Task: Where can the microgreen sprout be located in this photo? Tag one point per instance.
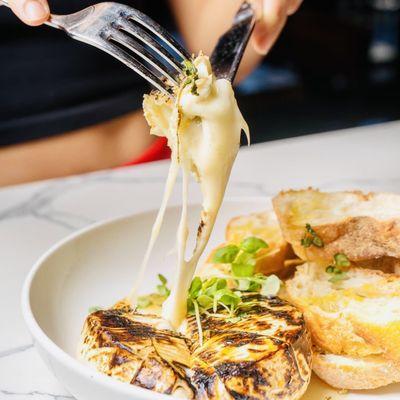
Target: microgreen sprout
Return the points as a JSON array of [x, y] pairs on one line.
[[242, 257], [191, 75], [311, 238], [340, 261], [155, 298], [212, 296]]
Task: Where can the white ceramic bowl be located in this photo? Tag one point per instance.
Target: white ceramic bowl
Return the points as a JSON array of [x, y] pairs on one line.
[[96, 267]]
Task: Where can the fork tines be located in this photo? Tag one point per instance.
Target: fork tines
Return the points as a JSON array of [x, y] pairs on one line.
[[146, 47]]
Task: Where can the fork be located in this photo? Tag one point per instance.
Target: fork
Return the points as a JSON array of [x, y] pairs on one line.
[[146, 47], [131, 37]]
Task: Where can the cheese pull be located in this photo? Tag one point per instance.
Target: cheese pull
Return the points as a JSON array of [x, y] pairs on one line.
[[203, 126]]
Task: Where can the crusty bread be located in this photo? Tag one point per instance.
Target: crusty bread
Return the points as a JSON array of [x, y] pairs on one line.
[[354, 373], [365, 227], [358, 316]]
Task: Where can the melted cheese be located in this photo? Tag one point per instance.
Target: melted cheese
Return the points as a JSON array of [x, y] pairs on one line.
[[203, 132]]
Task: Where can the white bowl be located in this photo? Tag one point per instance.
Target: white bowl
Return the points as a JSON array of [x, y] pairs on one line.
[[97, 266]]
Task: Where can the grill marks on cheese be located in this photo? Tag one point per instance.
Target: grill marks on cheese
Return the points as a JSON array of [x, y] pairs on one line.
[[264, 355], [203, 133]]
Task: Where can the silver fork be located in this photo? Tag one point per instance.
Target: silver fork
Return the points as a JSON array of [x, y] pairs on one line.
[[131, 37], [146, 47]]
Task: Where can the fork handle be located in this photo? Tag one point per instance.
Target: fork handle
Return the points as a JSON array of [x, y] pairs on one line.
[[55, 21]]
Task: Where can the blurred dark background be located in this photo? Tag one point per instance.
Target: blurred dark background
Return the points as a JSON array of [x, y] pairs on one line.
[[335, 66]]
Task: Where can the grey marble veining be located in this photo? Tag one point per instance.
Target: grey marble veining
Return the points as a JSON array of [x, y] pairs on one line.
[[33, 217]]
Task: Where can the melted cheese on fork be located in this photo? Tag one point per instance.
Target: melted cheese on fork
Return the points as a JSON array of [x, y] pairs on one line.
[[203, 131]]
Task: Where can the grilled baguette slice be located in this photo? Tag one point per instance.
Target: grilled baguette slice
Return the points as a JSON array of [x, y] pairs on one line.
[[354, 373], [264, 354], [358, 316], [137, 349], [365, 227]]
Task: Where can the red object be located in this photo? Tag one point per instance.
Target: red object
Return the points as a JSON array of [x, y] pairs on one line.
[[159, 150]]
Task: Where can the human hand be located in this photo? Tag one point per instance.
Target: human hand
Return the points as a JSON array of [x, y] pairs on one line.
[[31, 12], [272, 18]]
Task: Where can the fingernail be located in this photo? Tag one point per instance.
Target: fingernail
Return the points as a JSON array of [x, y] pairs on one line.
[[34, 10]]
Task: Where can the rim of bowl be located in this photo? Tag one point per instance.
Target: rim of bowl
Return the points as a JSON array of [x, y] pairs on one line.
[[62, 356]]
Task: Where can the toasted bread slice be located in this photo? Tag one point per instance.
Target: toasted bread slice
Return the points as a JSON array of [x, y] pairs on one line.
[[355, 373], [365, 227], [358, 316]]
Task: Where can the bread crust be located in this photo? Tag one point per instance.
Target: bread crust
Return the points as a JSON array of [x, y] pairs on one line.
[[367, 241], [354, 373]]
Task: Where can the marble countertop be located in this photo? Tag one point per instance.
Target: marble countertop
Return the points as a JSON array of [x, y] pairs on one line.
[[33, 217]]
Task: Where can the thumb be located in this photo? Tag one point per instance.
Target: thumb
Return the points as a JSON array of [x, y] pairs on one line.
[[32, 12]]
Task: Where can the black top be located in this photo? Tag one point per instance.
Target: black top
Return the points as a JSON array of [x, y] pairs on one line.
[[50, 84]]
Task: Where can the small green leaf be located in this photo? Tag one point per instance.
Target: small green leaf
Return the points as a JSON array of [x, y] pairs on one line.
[[310, 230], [162, 279], [190, 306], [330, 269], [205, 302], [163, 290], [245, 258], [195, 287], [311, 238], [243, 270], [306, 241], [341, 260], [338, 276], [143, 302], [253, 244], [271, 286], [317, 241], [227, 297], [254, 286], [226, 255]]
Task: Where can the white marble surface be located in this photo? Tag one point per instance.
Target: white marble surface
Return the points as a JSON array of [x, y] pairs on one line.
[[35, 216]]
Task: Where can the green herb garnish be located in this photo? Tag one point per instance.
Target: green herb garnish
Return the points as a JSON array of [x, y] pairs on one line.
[[243, 265], [162, 288], [213, 294], [340, 260], [155, 298], [311, 238], [226, 255], [191, 75], [253, 244]]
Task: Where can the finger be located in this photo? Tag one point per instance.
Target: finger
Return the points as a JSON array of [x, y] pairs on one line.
[[271, 23], [32, 12], [293, 6]]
